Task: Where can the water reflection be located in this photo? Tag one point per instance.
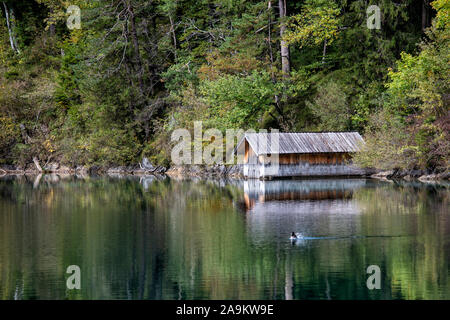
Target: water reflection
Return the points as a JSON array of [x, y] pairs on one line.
[[157, 238], [318, 189], [319, 207]]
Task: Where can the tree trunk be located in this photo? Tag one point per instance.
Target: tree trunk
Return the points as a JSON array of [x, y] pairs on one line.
[[425, 14], [277, 100], [285, 57], [137, 54], [9, 14], [131, 82], [52, 27], [324, 53], [269, 39], [172, 31], [26, 138], [149, 47]]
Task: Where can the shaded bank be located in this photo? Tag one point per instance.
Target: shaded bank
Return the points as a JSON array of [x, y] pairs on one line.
[[218, 171]]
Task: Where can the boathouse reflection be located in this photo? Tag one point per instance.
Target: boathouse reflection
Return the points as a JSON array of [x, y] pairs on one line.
[[321, 207], [257, 191]]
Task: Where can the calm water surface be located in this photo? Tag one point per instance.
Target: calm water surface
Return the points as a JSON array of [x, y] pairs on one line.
[[149, 238]]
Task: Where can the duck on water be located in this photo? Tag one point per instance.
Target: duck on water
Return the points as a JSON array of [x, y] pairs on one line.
[[298, 236], [295, 236]]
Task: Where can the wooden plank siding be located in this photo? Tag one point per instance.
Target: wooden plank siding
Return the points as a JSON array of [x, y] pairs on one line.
[[311, 158], [300, 154]]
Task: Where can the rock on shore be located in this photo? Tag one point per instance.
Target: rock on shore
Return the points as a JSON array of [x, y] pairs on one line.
[[142, 168], [232, 171], [421, 175]]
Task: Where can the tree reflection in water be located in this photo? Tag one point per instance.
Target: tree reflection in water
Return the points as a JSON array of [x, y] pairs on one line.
[[158, 238]]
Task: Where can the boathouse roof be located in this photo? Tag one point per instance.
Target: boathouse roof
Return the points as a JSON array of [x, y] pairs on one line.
[[303, 142]]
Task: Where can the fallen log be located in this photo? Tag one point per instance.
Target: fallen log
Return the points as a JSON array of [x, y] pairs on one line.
[[36, 163]]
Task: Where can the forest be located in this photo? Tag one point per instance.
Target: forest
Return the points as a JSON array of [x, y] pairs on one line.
[[110, 90]]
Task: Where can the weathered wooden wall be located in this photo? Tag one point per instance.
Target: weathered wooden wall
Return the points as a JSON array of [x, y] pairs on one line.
[[318, 158], [300, 165], [292, 158], [251, 163]]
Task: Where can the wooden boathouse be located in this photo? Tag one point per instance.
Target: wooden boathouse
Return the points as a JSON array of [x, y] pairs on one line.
[[299, 154]]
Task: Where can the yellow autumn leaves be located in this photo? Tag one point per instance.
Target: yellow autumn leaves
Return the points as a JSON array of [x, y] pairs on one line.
[[317, 22]]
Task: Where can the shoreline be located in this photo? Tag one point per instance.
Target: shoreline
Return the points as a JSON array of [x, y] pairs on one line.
[[205, 171], [411, 175]]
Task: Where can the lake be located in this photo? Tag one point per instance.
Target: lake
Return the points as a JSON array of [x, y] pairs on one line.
[[159, 238]]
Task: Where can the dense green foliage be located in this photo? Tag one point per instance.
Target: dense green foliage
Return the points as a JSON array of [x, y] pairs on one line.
[[113, 91], [414, 123]]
